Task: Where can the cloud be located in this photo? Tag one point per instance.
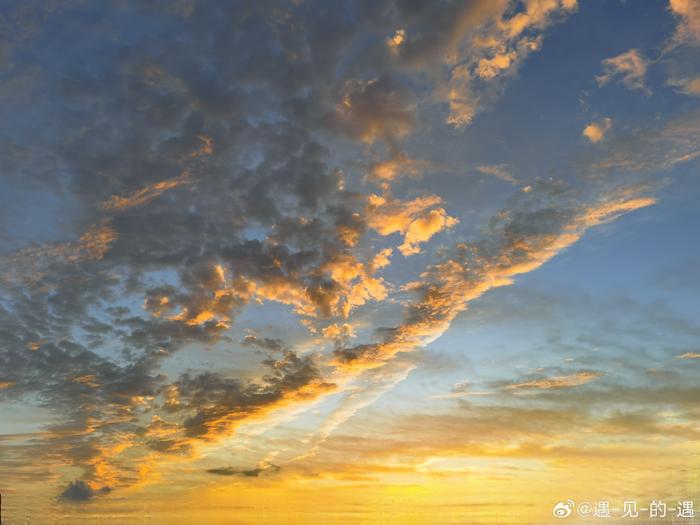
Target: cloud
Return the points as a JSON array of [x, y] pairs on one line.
[[203, 181], [463, 101], [500, 171], [488, 68], [419, 220], [396, 166], [689, 86], [688, 30], [265, 343], [649, 149], [595, 131], [520, 241], [423, 228], [568, 381], [338, 331], [394, 42], [630, 66], [246, 473], [689, 355], [461, 390], [680, 50], [78, 491], [501, 42], [375, 109], [30, 264], [145, 195], [214, 405]]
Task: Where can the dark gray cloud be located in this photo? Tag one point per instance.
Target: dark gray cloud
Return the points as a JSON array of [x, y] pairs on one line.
[[216, 403], [246, 473], [78, 492]]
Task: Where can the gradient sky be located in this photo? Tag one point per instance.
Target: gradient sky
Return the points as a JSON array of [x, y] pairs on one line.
[[347, 262]]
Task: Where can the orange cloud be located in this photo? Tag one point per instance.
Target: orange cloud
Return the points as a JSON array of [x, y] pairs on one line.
[[400, 164], [337, 331], [146, 194], [578, 379], [419, 220], [450, 286], [595, 131], [30, 264], [688, 30]]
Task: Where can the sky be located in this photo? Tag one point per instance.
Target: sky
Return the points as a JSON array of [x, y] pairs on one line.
[[373, 262]]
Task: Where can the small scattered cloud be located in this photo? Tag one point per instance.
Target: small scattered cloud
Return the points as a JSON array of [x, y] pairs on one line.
[[595, 131], [394, 41]]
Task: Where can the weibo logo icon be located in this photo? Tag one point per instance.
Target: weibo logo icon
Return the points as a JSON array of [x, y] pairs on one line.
[[563, 509]]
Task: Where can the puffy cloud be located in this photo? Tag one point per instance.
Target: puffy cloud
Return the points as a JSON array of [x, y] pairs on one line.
[[338, 331], [265, 343], [375, 109], [419, 220], [490, 67], [214, 405], [595, 131], [423, 228], [630, 66], [79, 491], [162, 263], [497, 47], [394, 42], [688, 30]]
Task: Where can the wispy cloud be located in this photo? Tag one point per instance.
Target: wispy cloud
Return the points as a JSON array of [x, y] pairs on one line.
[[629, 67], [689, 355], [568, 381], [500, 171]]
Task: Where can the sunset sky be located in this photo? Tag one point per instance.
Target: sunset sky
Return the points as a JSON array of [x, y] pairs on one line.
[[373, 262]]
